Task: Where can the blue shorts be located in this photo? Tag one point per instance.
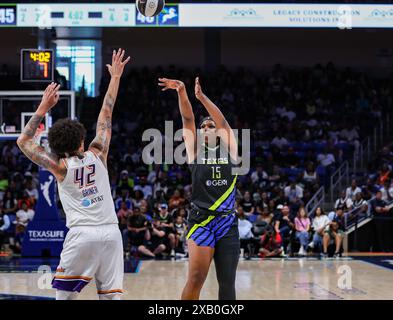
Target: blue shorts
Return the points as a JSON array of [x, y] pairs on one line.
[[206, 229]]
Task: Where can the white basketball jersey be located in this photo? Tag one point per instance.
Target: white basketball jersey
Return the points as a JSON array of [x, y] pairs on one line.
[[85, 192]]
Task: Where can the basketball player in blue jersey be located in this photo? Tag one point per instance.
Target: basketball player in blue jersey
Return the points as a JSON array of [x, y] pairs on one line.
[[213, 228], [93, 246]]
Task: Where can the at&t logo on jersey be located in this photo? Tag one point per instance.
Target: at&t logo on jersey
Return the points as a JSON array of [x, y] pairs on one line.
[[88, 202], [216, 183]]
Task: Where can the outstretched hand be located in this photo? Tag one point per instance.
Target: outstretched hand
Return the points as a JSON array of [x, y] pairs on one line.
[[117, 67], [198, 89], [170, 84], [50, 97]]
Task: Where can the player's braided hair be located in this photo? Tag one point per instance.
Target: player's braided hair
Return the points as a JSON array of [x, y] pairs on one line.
[[66, 136]]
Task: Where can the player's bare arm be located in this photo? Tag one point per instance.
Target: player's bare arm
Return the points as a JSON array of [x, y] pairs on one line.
[[226, 132], [188, 119], [26, 141], [101, 142]]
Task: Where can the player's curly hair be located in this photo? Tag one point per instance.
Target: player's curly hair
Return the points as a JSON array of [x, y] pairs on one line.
[[66, 136]]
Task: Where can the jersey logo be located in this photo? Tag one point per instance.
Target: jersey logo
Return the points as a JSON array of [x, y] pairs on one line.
[[215, 161]]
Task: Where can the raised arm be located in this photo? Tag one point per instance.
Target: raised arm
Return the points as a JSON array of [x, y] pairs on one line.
[[100, 144], [26, 141], [224, 130], [188, 119]]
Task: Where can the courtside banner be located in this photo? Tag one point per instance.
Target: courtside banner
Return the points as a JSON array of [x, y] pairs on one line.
[[343, 16]]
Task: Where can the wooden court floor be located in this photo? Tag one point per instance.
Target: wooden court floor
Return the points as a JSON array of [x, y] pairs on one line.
[[303, 279]]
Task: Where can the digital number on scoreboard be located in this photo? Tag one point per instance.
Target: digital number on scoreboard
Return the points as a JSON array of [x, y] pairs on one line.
[[7, 15], [37, 65]]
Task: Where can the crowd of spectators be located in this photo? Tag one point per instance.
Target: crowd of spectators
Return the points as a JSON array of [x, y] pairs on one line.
[[304, 123], [372, 196]]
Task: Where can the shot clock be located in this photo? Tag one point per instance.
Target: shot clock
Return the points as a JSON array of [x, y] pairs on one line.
[[37, 65]]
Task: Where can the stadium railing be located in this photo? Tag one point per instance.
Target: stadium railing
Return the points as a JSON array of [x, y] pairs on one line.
[[316, 201]]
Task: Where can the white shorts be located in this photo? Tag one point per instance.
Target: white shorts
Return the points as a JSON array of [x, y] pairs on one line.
[[91, 252]]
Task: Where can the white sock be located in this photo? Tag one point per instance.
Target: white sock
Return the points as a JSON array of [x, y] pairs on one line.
[[66, 295]]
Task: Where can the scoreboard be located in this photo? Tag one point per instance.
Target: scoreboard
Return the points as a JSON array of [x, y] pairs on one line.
[[260, 15], [37, 65], [8, 15]]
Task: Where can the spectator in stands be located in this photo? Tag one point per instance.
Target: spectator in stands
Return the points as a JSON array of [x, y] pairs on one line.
[[137, 199], [123, 197], [387, 191], [136, 233], [30, 190], [381, 211], [384, 174], [123, 215], [24, 215], [369, 189], [182, 212], [146, 189], [125, 183], [343, 202], [302, 227], [166, 223], [25, 199], [9, 203], [155, 237], [353, 190], [259, 176], [265, 215], [248, 206], [4, 225], [279, 141], [350, 134], [319, 225], [335, 232], [245, 232], [293, 192], [271, 244], [360, 204], [176, 200], [283, 223], [310, 177], [145, 210], [326, 158]]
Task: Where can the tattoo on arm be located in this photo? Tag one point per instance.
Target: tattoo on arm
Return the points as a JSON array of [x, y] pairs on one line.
[[35, 152], [109, 102], [102, 139], [32, 126], [39, 156]]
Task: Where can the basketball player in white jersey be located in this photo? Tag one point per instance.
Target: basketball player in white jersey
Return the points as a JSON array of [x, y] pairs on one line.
[[93, 246]]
